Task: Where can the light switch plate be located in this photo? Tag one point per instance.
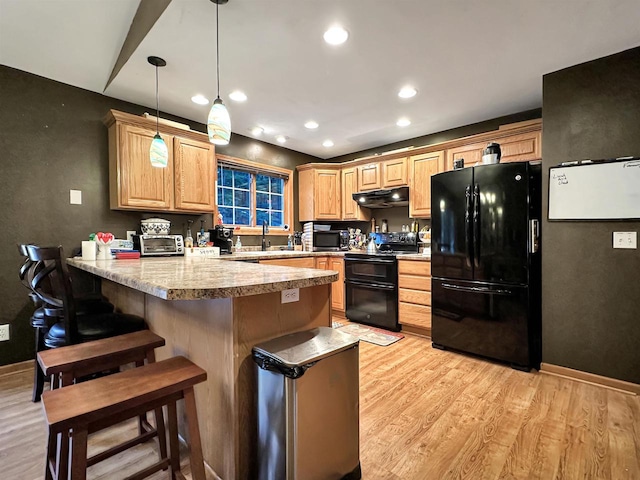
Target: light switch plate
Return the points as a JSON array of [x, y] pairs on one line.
[[75, 197], [625, 240], [291, 295], [4, 333]]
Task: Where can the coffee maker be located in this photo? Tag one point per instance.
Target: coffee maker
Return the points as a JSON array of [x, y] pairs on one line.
[[221, 237]]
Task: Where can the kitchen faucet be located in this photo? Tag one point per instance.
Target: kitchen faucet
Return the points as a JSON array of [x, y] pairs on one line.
[[265, 230]]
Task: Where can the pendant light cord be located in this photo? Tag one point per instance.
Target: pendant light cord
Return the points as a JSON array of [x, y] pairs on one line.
[[157, 105], [217, 51]]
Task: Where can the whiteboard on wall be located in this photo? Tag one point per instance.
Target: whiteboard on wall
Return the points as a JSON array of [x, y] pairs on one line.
[[595, 191]]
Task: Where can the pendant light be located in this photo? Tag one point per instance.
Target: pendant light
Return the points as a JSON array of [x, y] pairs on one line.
[[218, 123], [158, 153]]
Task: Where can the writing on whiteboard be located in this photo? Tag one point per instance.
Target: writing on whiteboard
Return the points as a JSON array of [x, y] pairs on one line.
[[635, 163], [560, 177]]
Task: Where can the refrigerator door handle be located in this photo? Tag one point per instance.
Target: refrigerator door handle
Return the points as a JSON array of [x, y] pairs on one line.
[[486, 290], [467, 225], [534, 235], [476, 225]]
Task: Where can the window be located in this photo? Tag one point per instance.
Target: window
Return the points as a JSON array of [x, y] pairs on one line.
[[249, 193]]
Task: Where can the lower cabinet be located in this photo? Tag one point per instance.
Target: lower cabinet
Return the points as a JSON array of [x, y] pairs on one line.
[[337, 287], [304, 262], [414, 296]]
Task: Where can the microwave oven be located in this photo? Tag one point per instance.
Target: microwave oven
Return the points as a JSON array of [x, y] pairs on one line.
[[331, 240], [150, 245]]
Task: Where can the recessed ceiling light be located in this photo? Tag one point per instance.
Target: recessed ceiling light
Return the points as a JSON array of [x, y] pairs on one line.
[[311, 125], [407, 92], [336, 35], [200, 99], [327, 143], [257, 131], [281, 138], [403, 122], [238, 96]]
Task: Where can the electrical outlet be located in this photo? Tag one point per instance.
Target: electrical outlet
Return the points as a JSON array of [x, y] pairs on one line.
[[4, 333], [291, 295], [130, 234], [625, 240]]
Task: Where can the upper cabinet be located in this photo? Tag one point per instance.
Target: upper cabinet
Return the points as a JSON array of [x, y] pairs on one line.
[[422, 166], [382, 174], [394, 172], [514, 146], [319, 192], [369, 177], [350, 208], [186, 185]]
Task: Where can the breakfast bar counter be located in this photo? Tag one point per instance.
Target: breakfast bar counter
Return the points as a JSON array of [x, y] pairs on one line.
[[213, 312]]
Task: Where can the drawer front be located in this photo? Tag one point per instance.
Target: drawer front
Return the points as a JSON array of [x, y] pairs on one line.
[[415, 315], [414, 267], [414, 282], [305, 262], [419, 297]]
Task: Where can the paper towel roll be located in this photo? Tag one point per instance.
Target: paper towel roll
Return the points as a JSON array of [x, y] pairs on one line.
[[88, 250]]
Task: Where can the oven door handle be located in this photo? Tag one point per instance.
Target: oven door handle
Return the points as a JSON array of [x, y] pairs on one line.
[[484, 290], [370, 260], [378, 286]]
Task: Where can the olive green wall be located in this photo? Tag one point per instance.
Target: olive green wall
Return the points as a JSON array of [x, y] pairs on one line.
[[591, 292], [52, 140]]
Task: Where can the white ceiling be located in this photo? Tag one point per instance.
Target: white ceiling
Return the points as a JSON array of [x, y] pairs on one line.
[[470, 60]]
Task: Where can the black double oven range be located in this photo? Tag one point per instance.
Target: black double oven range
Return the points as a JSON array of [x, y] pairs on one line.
[[371, 280]]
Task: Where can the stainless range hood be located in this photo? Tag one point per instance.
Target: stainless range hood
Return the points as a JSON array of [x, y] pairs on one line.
[[392, 197]]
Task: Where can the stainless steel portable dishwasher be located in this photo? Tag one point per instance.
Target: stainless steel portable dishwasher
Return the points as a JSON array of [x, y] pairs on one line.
[[308, 417]]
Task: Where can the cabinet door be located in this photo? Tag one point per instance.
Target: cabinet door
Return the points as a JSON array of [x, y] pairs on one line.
[[471, 154], [194, 175], [322, 263], [422, 167], [369, 177], [521, 148], [350, 208], [141, 185], [394, 173], [337, 287], [326, 195]]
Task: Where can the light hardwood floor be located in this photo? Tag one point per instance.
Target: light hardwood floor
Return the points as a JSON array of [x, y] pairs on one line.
[[424, 414]]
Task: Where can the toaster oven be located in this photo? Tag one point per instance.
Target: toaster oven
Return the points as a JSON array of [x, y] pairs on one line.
[[150, 245]]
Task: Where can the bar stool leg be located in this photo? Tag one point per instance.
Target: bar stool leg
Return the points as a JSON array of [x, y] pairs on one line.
[[51, 455], [174, 448], [79, 454], [162, 436], [38, 374], [62, 464], [197, 462]]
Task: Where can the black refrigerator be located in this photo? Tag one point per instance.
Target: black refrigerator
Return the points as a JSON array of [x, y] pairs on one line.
[[485, 262]]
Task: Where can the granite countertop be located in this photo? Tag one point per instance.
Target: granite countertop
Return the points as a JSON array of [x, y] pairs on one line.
[[416, 256], [181, 278]]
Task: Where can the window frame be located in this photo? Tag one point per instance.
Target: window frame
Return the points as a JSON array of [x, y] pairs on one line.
[[265, 169]]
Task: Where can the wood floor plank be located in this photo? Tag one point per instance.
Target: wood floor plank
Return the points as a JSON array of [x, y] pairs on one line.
[[424, 414]]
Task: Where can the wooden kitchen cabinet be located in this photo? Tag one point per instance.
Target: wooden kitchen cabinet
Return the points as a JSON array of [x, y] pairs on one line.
[[369, 177], [319, 193], [421, 168], [521, 147], [337, 287], [301, 262], [414, 296], [186, 185], [394, 173], [350, 208]]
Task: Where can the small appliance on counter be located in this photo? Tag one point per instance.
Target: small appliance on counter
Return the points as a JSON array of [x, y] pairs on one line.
[[222, 237], [155, 245], [330, 240]]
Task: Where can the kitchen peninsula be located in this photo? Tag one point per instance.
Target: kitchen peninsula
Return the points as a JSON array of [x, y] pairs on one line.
[[213, 312]]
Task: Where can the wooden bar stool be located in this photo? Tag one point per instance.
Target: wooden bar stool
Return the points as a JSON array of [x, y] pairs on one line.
[[88, 407], [66, 365]]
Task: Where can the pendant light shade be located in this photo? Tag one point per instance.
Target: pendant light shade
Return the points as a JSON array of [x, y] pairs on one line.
[[158, 152], [219, 122]]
